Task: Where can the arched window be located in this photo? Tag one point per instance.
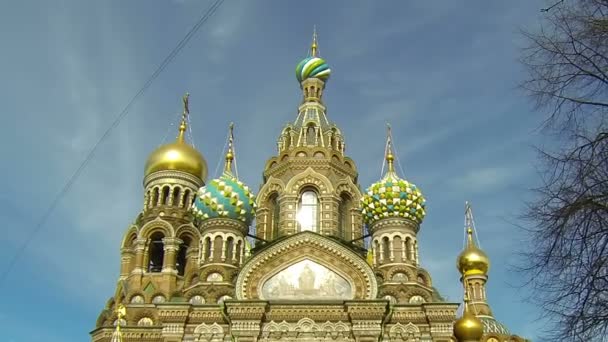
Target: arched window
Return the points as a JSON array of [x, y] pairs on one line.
[[229, 249], [156, 252], [386, 251], [408, 249], [176, 196], [187, 200], [165, 198], [208, 248], [155, 197], [345, 223], [274, 210], [181, 256], [310, 135], [308, 212]]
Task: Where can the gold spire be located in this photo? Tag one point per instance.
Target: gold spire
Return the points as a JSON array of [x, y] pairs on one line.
[[184, 123], [230, 153], [468, 328], [390, 158], [472, 260], [313, 47]]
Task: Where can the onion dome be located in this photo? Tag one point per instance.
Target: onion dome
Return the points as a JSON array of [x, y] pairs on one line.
[[226, 196], [472, 260], [492, 326], [313, 66], [392, 197], [468, 328], [178, 155]]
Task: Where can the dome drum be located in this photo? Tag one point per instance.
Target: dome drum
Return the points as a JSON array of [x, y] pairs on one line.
[[389, 223], [223, 224], [163, 177]]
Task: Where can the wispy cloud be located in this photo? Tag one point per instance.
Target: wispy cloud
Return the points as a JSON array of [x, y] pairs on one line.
[[486, 179]]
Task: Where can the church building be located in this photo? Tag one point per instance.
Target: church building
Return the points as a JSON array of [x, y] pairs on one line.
[[309, 257]]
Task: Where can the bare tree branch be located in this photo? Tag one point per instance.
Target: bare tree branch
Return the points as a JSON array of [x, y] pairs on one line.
[[567, 261]]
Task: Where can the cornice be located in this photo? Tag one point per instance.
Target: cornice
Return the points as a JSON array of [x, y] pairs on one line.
[[394, 222], [302, 163], [172, 174], [223, 223]]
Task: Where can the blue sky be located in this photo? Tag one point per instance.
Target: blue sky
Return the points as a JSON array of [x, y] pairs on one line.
[[443, 74]]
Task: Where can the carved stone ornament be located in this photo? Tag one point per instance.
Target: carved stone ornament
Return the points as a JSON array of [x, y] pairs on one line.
[[407, 333], [307, 330], [306, 266], [209, 332]]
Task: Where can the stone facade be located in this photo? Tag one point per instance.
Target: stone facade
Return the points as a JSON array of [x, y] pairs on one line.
[[308, 276]]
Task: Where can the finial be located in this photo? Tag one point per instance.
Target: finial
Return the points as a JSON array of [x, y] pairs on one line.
[[313, 47], [468, 214], [121, 312], [184, 124], [230, 153], [389, 149]]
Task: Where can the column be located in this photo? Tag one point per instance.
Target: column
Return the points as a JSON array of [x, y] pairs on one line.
[[171, 190], [140, 246], [403, 256], [391, 249], [171, 248], [126, 258], [416, 253], [224, 245]]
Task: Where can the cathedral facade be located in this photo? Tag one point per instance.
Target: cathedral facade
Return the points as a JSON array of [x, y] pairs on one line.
[[195, 268]]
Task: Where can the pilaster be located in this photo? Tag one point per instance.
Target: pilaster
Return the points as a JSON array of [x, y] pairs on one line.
[[245, 319]]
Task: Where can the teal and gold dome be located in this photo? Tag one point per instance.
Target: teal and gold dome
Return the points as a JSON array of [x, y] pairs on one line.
[[313, 66], [226, 196], [392, 197]]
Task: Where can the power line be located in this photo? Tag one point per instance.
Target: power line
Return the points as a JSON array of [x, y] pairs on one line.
[[182, 43]]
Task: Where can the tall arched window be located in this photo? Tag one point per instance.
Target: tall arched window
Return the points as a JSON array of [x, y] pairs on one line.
[[345, 223], [181, 256], [308, 211], [273, 212], [156, 252]]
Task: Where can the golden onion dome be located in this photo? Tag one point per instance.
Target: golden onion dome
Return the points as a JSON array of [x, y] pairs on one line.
[[472, 260], [468, 327], [178, 155]]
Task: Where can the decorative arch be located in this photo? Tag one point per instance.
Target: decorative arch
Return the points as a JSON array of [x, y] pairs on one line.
[[350, 163], [425, 276], [411, 275], [129, 236], [351, 189], [209, 329], [272, 185], [306, 246], [311, 178], [407, 332], [157, 225], [270, 163], [188, 229]]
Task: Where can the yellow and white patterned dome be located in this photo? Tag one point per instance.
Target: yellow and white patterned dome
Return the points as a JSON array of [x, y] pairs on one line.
[[393, 197]]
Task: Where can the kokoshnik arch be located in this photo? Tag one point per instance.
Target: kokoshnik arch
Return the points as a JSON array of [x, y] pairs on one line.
[[188, 272]]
